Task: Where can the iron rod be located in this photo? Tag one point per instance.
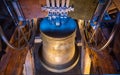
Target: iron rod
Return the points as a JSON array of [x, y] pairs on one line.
[[67, 3], [63, 3], [16, 9], [53, 3], [48, 3], [58, 3], [10, 12]]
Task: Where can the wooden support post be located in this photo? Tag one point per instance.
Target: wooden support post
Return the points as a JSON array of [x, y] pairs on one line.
[[85, 59], [63, 3], [53, 3], [29, 64]]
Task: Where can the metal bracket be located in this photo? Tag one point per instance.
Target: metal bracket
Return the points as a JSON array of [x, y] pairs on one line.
[[57, 8]]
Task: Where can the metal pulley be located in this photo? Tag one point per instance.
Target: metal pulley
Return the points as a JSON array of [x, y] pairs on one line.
[[58, 33]]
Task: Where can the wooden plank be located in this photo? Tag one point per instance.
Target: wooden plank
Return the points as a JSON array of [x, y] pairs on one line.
[[112, 7], [87, 63], [117, 4], [12, 62], [32, 8], [15, 63]]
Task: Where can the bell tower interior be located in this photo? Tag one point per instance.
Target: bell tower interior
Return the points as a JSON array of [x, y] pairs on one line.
[[59, 37]]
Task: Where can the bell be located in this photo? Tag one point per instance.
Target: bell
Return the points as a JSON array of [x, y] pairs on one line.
[[58, 52]]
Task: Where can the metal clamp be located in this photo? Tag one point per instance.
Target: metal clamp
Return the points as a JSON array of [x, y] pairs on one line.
[[57, 8]]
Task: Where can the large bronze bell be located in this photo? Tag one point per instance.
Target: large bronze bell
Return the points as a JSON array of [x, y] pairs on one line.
[[59, 52]]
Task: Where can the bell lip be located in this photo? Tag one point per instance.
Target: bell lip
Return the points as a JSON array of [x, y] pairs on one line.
[[60, 68], [58, 38]]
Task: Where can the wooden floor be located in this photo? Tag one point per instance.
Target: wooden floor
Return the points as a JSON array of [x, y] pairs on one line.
[[12, 62]]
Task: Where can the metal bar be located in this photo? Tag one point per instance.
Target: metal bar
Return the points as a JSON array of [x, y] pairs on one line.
[[63, 3], [53, 3], [67, 3], [58, 3], [20, 9], [11, 14], [101, 9], [17, 10], [48, 3]]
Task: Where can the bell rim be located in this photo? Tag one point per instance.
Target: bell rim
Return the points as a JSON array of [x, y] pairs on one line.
[[59, 68]]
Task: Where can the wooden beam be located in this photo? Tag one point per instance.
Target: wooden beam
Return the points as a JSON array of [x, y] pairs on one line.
[[111, 7], [12, 62], [29, 64], [117, 4], [85, 58], [85, 61]]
